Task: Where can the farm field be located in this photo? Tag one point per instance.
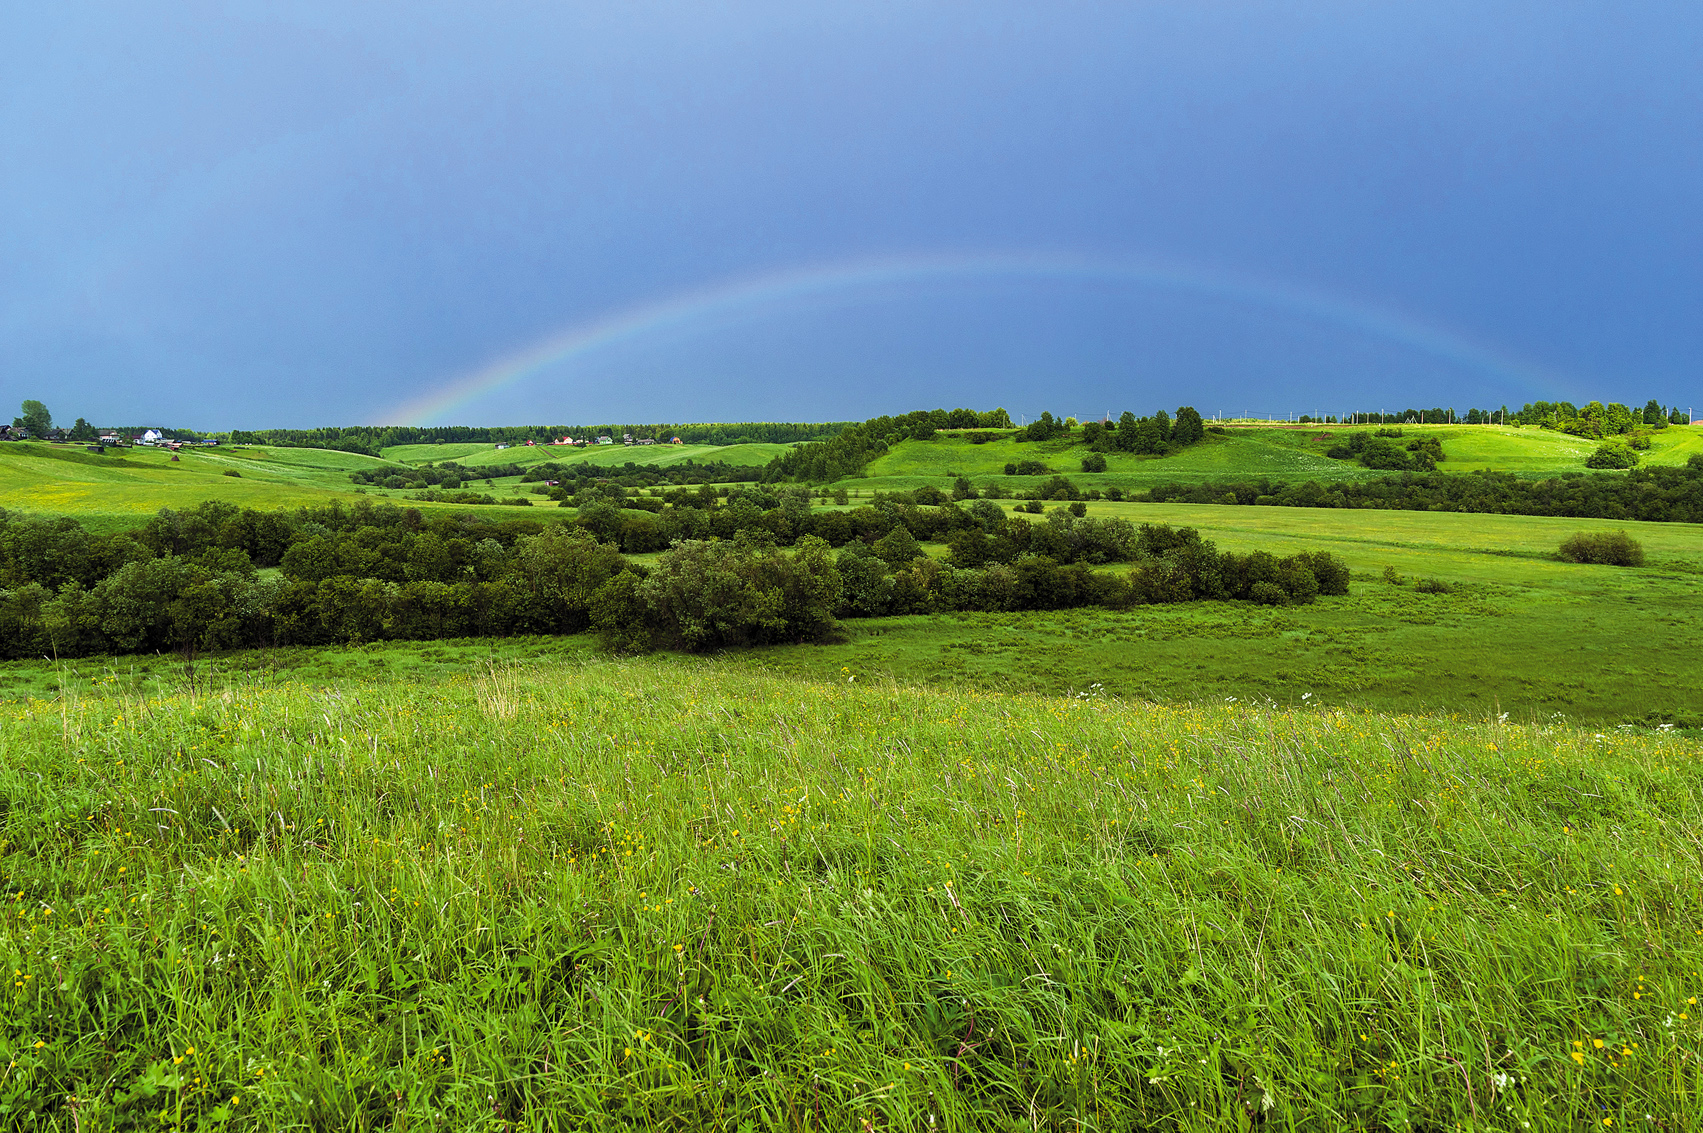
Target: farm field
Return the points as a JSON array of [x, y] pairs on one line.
[[123, 487], [670, 894], [1249, 452]]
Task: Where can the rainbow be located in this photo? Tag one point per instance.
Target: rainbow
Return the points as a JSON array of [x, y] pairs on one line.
[[748, 296]]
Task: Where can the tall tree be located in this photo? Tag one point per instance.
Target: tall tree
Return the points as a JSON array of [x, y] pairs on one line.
[[1189, 427], [36, 419]]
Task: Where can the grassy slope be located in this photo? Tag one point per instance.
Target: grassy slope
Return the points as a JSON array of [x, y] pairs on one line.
[[122, 487], [1521, 630], [1278, 452], [665, 895]]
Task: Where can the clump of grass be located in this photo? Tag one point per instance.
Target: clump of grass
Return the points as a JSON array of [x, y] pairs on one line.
[[1432, 586], [648, 894], [1614, 548]]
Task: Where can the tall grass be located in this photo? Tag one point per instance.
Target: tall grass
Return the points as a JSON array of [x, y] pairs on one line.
[[656, 895]]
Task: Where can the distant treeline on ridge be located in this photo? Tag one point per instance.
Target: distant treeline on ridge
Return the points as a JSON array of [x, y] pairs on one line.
[[371, 439]]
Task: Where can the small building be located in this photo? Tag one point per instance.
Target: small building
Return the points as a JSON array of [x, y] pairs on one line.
[[676, 441], [151, 437], [605, 439]]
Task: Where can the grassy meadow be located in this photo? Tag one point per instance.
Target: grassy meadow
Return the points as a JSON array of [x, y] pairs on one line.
[[1402, 859], [1245, 452], [123, 487], [670, 894], [1518, 630]]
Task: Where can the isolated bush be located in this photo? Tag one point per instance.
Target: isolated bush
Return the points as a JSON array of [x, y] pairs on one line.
[[1612, 454], [233, 472], [1078, 509], [1094, 462], [1432, 586], [1617, 549]]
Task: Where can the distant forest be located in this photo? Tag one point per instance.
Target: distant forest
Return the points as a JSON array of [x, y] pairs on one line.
[[371, 439]]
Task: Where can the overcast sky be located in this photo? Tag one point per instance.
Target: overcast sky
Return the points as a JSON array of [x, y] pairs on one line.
[[222, 215]]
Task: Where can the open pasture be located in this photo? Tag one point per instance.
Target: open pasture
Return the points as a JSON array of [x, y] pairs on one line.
[[1247, 452], [664, 894], [1518, 631], [123, 487]]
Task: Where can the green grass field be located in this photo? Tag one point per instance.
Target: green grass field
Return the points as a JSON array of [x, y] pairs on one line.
[[1521, 630], [1245, 452], [666, 894], [123, 487]]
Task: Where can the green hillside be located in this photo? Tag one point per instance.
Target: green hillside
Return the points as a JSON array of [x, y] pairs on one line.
[[1279, 452], [122, 487]]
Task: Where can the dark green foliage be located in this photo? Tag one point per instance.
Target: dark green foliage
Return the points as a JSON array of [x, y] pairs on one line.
[[1043, 428], [854, 447], [372, 439], [1612, 454], [1094, 462], [1432, 586], [1615, 549], [1660, 494], [35, 418], [1381, 450], [1189, 427], [187, 581]]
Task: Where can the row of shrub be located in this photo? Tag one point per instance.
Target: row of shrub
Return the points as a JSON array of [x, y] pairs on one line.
[[189, 583], [1659, 494]]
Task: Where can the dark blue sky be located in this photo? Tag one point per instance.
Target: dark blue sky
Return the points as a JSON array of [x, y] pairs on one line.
[[242, 214]]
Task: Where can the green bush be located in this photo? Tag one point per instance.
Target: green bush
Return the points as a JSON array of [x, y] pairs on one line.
[[1094, 462], [1617, 549], [233, 472], [1612, 454]]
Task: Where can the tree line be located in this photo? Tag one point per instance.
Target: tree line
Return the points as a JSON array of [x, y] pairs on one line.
[[1658, 494], [852, 450], [741, 574], [372, 439], [451, 475]]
